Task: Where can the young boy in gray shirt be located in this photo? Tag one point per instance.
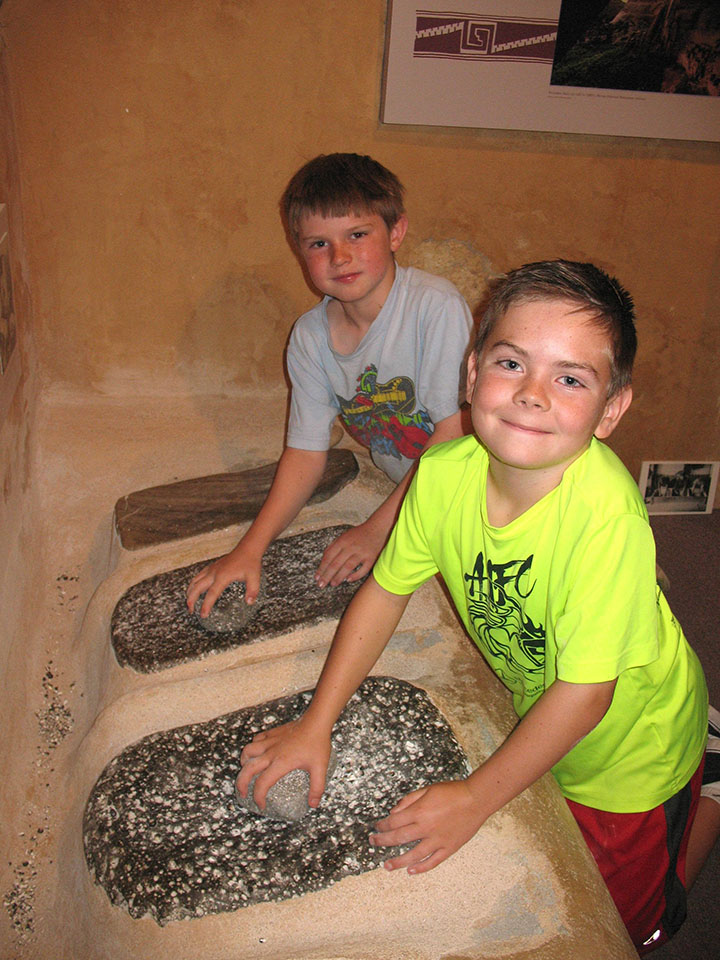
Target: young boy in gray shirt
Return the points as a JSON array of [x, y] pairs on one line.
[[383, 350]]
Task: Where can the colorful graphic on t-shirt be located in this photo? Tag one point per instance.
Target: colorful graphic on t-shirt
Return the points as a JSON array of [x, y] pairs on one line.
[[380, 416], [514, 644]]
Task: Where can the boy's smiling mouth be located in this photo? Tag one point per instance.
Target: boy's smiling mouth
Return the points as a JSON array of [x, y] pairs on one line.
[[524, 428]]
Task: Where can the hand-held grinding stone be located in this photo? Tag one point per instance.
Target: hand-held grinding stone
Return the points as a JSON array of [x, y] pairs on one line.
[[288, 798], [230, 611]]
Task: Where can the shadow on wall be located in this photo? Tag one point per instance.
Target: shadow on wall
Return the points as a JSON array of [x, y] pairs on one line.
[[231, 338], [234, 341]]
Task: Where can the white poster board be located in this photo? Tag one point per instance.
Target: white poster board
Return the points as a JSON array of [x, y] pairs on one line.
[[489, 64]]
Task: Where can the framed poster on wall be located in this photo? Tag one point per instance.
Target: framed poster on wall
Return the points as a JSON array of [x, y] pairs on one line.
[[621, 68]]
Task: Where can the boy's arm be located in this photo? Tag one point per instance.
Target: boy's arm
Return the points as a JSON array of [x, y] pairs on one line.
[[353, 554], [298, 474], [363, 633], [444, 816]]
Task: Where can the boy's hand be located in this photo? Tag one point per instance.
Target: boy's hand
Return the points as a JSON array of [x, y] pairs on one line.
[[273, 753], [239, 565], [352, 555], [439, 819]]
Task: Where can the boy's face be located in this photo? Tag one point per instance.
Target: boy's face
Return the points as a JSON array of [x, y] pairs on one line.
[[351, 258], [539, 389]]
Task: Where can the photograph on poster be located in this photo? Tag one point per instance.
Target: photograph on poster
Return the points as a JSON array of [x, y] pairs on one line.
[[612, 67], [660, 47], [679, 487]]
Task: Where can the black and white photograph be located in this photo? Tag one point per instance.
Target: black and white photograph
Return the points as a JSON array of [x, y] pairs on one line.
[[677, 487]]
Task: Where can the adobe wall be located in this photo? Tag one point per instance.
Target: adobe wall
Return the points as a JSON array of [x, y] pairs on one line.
[[155, 139]]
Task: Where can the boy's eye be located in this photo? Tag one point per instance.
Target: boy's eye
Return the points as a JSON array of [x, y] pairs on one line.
[[357, 234], [569, 381], [509, 364], [317, 244]]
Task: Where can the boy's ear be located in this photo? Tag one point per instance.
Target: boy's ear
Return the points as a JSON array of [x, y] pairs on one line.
[[616, 407], [471, 376], [398, 231]]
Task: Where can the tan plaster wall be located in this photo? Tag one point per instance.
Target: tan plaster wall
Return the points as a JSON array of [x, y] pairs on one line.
[[155, 138], [19, 508]]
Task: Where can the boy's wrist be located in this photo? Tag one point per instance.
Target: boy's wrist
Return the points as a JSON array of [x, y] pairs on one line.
[[317, 720], [252, 544], [483, 792]]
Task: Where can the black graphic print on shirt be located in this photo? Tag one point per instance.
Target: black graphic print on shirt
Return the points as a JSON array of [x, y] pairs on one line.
[[513, 644], [380, 416]]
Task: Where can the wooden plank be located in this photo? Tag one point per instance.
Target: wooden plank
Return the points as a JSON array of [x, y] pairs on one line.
[[203, 504]]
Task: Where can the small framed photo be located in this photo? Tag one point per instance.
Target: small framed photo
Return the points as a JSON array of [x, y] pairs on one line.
[[673, 486]]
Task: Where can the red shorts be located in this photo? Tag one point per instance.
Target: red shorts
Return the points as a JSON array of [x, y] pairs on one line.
[[641, 857]]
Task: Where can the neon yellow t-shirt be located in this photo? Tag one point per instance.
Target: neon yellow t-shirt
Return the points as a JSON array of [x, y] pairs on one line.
[[567, 590]]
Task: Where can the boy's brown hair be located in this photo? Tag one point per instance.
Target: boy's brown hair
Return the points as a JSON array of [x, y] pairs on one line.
[[583, 284], [338, 184]]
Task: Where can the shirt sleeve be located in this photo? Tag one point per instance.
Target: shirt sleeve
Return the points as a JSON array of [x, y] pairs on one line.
[[446, 325], [313, 405], [406, 561], [609, 620]]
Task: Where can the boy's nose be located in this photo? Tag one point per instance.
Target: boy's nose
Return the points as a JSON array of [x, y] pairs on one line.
[[531, 393], [340, 253]]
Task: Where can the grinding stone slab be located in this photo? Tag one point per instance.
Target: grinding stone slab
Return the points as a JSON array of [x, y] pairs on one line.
[[151, 627], [203, 504], [163, 835]]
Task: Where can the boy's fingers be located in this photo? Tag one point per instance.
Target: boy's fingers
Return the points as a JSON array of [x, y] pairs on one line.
[[195, 588], [213, 592], [328, 565], [429, 863], [411, 858], [408, 833], [268, 778], [255, 748], [252, 587], [396, 817], [359, 572], [353, 568], [317, 785], [250, 768]]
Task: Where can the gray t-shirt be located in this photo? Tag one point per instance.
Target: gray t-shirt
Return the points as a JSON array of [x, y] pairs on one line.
[[401, 380]]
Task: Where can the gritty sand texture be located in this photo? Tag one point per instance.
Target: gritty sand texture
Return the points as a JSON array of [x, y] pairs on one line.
[[151, 628], [163, 835]]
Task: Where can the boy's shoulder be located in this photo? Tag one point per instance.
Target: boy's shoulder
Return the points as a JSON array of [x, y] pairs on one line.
[[413, 278], [457, 451], [601, 478]]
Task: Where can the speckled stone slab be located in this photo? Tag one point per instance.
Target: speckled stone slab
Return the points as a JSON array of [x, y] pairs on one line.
[[202, 504], [163, 835], [151, 628]]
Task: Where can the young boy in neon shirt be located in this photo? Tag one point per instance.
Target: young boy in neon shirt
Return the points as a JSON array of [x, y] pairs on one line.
[[383, 349], [542, 538]]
